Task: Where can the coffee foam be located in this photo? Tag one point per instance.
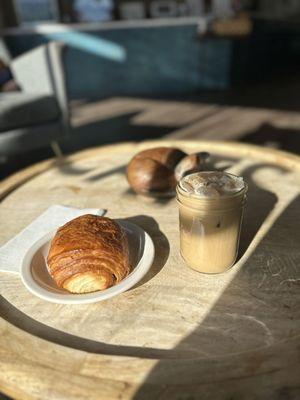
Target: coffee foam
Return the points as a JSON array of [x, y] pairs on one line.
[[212, 184]]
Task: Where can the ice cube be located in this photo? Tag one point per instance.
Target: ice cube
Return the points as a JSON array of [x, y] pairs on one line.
[[234, 185], [207, 191]]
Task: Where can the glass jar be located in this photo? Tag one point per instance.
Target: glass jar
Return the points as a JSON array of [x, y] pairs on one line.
[[210, 229]]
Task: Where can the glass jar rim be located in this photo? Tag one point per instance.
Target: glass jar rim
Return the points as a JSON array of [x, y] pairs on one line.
[[224, 196]]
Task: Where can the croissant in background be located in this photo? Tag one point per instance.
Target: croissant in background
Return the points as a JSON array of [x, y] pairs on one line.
[[88, 254]]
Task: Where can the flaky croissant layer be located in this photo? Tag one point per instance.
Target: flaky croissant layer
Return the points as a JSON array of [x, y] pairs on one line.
[[89, 253]]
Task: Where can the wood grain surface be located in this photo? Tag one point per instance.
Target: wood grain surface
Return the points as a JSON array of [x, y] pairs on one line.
[[178, 334]]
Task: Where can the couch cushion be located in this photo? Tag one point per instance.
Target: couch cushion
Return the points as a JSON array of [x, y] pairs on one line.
[[19, 109]]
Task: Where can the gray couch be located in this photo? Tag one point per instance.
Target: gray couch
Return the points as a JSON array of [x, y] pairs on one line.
[[38, 115]]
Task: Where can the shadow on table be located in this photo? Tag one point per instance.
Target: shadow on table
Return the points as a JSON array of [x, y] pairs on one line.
[[286, 139], [28, 324], [258, 205], [4, 397], [22, 321], [160, 241], [115, 129], [256, 311], [98, 176]]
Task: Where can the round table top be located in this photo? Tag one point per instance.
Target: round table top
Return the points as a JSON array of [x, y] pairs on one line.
[[177, 334]]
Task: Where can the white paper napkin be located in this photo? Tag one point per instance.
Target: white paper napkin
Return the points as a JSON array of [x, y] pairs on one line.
[[13, 252]]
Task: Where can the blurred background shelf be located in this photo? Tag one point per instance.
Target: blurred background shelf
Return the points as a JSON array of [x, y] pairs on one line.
[[210, 72]]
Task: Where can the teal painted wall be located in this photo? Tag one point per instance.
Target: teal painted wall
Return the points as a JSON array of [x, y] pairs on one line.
[[150, 61]]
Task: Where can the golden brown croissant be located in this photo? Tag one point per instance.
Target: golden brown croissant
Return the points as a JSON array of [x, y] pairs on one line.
[[89, 253]]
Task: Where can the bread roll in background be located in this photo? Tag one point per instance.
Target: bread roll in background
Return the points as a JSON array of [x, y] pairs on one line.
[[151, 172], [88, 254], [155, 172]]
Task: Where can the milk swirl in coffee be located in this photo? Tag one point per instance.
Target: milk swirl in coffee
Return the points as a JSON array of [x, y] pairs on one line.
[[210, 213]]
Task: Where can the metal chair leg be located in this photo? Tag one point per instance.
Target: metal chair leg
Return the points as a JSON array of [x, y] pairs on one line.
[[56, 149]]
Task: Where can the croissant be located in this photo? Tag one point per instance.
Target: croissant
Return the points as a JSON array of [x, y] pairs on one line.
[[89, 253]]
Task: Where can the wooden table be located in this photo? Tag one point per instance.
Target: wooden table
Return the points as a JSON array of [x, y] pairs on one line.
[[177, 334]]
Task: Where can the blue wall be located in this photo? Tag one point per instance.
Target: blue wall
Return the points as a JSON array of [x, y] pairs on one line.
[[158, 60]]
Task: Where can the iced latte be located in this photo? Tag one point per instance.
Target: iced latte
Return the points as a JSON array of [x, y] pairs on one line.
[[210, 215]]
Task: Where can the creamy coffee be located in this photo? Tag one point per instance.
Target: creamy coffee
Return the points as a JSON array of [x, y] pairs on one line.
[[210, 214]]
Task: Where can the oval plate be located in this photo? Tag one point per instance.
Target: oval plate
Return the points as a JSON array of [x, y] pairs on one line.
[[36, 278]]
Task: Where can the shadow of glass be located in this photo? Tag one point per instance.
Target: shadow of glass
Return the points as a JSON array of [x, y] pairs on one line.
[[256, 312], [259, 204]]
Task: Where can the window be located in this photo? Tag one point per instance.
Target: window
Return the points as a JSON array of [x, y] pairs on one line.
[[37, 10]]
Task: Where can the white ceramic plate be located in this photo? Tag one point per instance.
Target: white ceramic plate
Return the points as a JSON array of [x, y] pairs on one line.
[[36, 278]]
